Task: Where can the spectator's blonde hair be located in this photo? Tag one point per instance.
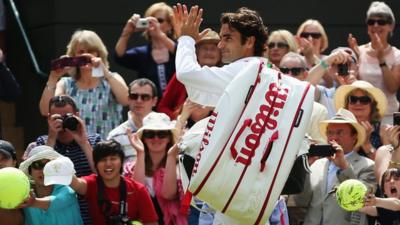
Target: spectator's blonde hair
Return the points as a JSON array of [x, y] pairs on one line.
[[89, 40], [167, 10], [324, 37], [286, 36]]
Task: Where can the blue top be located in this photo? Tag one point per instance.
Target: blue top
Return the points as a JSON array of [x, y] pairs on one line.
[[81, 164], [140, 59], [63, 210], [98, 106]]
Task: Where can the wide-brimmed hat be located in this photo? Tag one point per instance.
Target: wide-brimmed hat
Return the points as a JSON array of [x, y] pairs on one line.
[[210, 37], [343, 116], [36, 154], [343, 91], [158, 121]]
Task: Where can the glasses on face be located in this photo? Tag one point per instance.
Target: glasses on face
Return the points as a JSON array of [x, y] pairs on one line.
[[136, 96], [152, 134], [336, 133], [278, 45], [38, 165], [380, 22], [364, 100], [314, 35], [161, 20], [295, 71]]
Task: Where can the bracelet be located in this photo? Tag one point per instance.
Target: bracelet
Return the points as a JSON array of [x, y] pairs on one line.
[[393, 164], [324, 64], [109, 75], [50, 88]]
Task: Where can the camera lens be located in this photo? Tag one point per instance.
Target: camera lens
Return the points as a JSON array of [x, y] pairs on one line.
[[70, 122]]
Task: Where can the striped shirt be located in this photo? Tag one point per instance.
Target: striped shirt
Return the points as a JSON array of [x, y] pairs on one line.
[[81, 164]]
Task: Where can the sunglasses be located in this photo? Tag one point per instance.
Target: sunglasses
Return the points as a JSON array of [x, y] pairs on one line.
[[312, 34], [38, 165], [136, 96], [295, 71], [362, 99], [161, 20], [380, 22], [160, 134], [278, 44]]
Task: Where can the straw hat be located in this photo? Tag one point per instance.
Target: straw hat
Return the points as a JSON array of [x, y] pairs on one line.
[[36, 154], [343, 116], [211, 36], [158, 121], [343, 91]]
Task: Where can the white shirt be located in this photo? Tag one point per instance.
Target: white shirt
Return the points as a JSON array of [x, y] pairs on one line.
[[204, 85]]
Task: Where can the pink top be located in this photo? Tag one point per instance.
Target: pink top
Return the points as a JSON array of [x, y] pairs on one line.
[[370, 71]]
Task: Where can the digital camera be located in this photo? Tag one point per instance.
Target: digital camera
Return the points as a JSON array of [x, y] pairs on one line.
[[69, 122]]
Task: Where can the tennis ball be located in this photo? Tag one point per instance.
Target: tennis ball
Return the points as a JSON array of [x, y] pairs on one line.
[[14, 187], [350, 194], [136, 223]]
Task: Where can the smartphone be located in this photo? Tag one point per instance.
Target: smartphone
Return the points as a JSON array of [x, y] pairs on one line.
[[396, 118], [321, 150], [142, 23], [343, 69], [69, 61]]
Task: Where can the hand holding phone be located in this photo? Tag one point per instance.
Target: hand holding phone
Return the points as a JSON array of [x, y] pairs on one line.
[[343, 69], [321, 150], [70, 61]]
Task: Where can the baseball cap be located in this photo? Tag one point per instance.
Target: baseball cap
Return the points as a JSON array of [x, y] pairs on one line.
[[8, 149], [59, 171]]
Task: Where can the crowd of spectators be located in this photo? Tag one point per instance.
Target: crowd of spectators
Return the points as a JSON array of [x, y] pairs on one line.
[[128, 171]]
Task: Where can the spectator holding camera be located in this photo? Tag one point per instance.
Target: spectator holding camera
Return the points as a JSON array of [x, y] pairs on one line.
[[98, 92], [379, 62], [114, 199], [70, 140], [345, 135], [155, 60], [338, 57], [368, 104]]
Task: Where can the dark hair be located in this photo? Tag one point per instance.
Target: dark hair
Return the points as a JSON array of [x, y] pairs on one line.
[[142, 82], [103, 149], [61, 101], [148, 163], [248, 23], [389, 173]]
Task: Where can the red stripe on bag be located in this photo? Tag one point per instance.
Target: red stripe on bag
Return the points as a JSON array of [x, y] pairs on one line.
[[203, 182], [260, 215], [185, 203]]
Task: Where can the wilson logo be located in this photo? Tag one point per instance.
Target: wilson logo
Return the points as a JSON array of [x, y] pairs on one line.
[[275, 99]]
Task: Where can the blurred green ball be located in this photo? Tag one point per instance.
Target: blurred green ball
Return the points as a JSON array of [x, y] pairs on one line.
[[14, 187]]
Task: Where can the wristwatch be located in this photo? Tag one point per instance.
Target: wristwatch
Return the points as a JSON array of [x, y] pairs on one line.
[[382, 64]]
